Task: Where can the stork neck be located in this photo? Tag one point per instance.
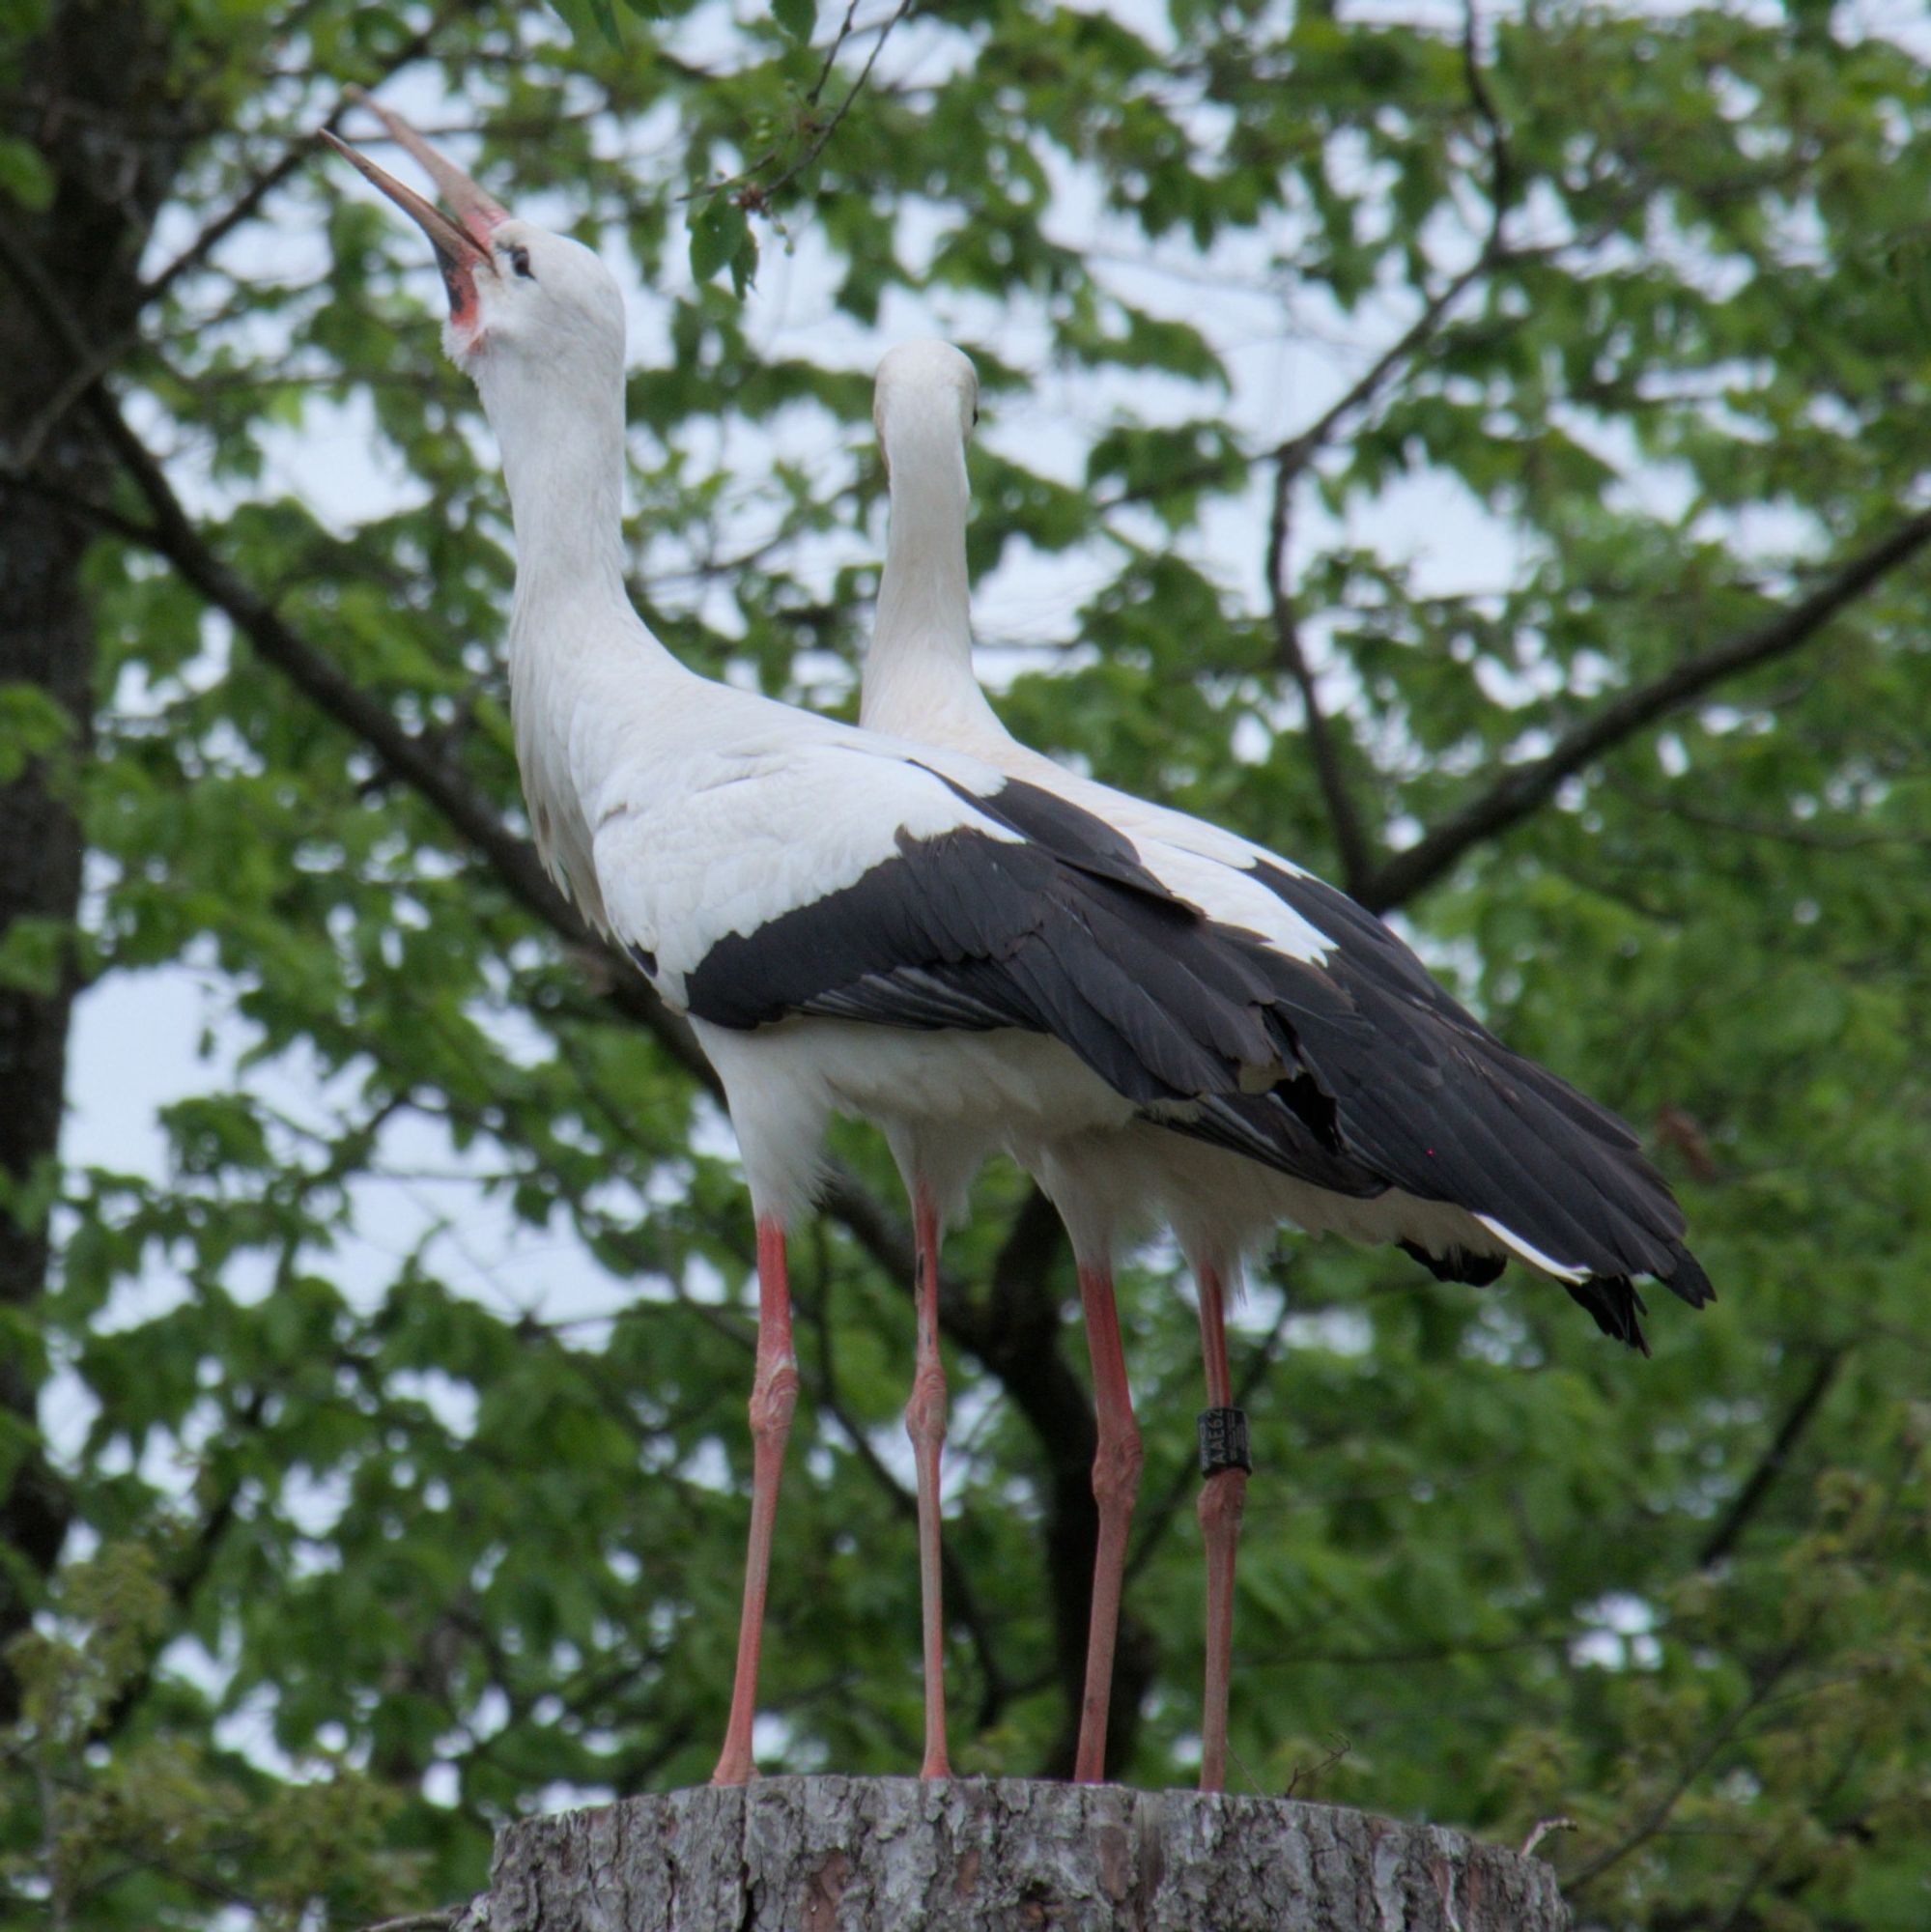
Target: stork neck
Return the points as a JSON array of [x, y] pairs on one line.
[[563, 461], [918, 677]]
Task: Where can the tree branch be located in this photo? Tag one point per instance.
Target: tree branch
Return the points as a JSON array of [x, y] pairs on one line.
[[1350, 839], [172, 534], [1780, 1845], [1522, 790], [1301, 448], [260, 185], [1723, 1539], [182, 1584], [1501, 160], [753, 193], [1692, 1767], [844, 107], [1293, 456], [98, 362], [1297, 451]]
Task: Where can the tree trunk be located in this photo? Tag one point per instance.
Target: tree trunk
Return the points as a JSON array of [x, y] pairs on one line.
[[89, 88], [892, 1855]]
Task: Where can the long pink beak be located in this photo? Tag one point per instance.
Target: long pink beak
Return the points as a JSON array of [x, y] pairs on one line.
[[478, 211], [459, 254]]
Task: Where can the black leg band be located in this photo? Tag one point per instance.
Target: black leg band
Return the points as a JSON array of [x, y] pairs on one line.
[[1223, 1442]]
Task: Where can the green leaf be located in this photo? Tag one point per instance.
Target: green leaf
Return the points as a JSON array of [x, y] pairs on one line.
[[25, 175], [33, 951], [718, 233], [798, 17], [33, 722], [591, 21]]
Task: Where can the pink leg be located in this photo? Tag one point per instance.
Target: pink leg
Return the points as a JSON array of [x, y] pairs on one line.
[[925, 1425], [1222, 1497], [1116, 1482], [774, 1394]]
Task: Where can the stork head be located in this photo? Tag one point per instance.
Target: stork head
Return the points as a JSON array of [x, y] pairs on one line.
[[524, 302], [924, 404]]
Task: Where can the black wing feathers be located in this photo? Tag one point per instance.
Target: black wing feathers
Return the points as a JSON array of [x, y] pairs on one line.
[[1357, 1072], [1073, 938], [1445, 1111], [1074, 836]]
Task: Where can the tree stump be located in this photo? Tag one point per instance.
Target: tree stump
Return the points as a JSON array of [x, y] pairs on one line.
[[892, 1855]]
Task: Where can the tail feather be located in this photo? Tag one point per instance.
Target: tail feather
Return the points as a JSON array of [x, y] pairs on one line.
[[1458, 1264], [1613, 1303], [1688, 1282]]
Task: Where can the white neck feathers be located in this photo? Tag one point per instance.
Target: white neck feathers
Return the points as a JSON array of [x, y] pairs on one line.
[[918, 678], [563, 450]]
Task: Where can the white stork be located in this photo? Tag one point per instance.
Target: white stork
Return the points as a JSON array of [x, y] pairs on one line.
[[853, 924], [1401, 1120]]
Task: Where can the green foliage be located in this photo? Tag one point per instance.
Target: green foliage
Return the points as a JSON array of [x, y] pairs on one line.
[[167, 1818], [23, 176], [382, 1539], [721, 237]]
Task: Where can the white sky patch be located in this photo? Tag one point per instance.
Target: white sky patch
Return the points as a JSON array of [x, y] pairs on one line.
[[1333, 1331], [1622, 1636]]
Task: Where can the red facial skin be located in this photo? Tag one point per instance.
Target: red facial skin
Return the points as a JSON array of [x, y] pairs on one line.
[[459, 281]]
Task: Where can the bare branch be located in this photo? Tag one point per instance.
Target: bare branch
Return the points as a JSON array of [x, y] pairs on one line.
[[753, 193], [1350, 839], [1501, 162], [1694, 1765], [832, 53], [1298, 450], [1293, 456], [1723, 1539], [844, 107], [1782, 832], [1543, 1828], [1520, 792], [265, 180], [1340, 1749], [1301, 448]]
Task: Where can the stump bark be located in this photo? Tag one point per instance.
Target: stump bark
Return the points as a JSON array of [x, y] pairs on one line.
[[892, 1855]]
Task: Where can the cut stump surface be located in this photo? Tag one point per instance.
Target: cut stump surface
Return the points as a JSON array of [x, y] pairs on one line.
[[892, 1855]]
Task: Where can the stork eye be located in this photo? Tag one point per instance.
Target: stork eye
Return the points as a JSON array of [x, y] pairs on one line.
[[520, 261], [975, 415]]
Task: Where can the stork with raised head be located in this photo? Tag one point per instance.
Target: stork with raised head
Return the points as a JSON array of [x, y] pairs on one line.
[[853, 924], [837, 916], [1402, 1119]]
